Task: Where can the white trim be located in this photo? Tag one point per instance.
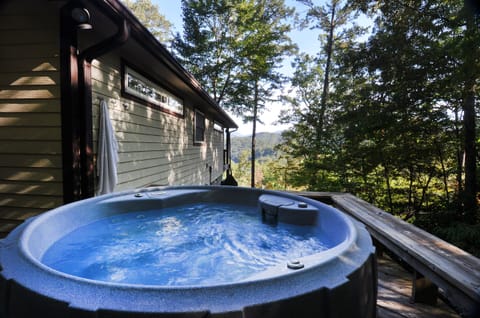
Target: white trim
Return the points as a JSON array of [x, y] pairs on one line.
[[151, 92], [195, 140]]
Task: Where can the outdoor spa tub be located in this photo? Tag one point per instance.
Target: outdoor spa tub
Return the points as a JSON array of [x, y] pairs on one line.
[[189, 252]]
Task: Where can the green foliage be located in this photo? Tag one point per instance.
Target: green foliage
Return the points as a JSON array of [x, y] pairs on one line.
[[231, 46], [209, 45], [391, 118], [265, 146], [234, 47], [465, 236], [275, 170], [150, 16]]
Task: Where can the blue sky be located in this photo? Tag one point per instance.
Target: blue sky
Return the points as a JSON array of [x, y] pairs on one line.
[[306, 40]]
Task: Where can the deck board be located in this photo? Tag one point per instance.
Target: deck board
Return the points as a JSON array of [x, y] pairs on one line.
[[394, 291]]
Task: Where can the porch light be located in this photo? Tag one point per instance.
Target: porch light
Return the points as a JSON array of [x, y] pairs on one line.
[[82, 17]]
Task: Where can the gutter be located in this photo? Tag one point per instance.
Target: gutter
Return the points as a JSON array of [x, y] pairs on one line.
[[157, 49]]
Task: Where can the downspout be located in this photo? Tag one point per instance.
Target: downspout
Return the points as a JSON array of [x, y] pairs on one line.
[[229, 180], [69, 111], [85, 103], [229, 150]]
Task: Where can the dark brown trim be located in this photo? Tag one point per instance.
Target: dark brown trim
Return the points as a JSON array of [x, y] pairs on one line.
[[195, 141], [87, 167], [150, 43], [69, 107], [85, 96], [142, 101]]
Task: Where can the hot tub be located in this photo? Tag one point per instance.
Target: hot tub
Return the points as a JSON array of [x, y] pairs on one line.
[[189, 252]]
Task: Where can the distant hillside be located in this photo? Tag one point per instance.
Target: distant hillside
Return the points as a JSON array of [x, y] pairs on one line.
[[265, 145]]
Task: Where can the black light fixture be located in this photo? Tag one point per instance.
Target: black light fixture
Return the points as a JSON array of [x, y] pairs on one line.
[[82, 17]]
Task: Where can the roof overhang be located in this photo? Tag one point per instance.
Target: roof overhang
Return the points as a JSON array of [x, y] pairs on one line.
[[144, 51]]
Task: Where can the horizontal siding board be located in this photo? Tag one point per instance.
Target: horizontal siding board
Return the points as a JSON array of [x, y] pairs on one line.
[[22, 51], [32, 106], [143, 182], [29, 79], [33, 64], [28, 133], [18, 213], [150, 146], [143, 119], [31, 161], [106, 81], [126, 157], [142, 174], [29, 92], [27, 9], [30, 201], [31, 147], [148, 136], [34, 188], [106, 89], [165, 138], [20, 21], [125, 167], [162, 156], [32, 36], [31, 119], [31, 174]]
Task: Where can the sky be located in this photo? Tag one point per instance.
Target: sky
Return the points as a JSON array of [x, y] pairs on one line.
[[306, 40]]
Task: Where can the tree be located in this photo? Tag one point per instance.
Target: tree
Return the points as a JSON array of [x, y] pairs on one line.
[[469, 55], [208, 47], [233, 48], [313, 137], [149, 14], [438, 44]]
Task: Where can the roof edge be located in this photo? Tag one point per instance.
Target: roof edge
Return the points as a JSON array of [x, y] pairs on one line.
[[146, 39]]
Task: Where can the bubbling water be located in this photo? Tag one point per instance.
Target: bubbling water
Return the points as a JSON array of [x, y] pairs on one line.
[[188, 245]]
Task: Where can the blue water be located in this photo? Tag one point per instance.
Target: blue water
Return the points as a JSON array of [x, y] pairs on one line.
[[201, 244]]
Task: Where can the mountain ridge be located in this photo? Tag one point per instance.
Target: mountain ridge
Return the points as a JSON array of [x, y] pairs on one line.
[[265, 143]]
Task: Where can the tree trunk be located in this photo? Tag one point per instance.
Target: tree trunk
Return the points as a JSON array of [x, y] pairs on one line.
[[459, 172], [469, 51], [254, 131], [389, 189], [444, 174], [470, 200], [326, 78]]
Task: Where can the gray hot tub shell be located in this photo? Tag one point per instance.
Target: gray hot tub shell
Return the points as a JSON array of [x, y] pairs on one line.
[[338, 282]]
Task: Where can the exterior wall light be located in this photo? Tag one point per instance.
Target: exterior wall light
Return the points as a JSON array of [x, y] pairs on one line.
[[82, 17]]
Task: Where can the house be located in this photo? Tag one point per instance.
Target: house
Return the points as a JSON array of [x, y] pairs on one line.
[[58, 61]]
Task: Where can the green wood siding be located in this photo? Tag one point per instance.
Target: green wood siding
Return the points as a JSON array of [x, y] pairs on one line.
[[30, 124], [154, 147]]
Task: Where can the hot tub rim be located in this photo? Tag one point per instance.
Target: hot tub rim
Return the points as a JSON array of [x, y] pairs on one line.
[[320, 258]]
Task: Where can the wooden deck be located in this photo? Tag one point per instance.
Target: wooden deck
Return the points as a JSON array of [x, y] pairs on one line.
[[439, 267], [394, 292]]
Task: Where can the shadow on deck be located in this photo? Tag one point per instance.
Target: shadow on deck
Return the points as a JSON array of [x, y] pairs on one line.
[[394, 295], [438, 268]]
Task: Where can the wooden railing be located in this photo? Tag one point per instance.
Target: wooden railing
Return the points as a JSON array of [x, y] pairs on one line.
[[435, 263]]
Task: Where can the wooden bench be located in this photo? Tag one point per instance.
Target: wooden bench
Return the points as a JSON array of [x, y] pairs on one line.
[[436, 263]]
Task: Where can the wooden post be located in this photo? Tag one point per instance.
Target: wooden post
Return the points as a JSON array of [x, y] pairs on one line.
[[423, 290]]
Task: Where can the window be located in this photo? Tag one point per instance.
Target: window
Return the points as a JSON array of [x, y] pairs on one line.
[[199, 133], [217, 127], [140, 88]]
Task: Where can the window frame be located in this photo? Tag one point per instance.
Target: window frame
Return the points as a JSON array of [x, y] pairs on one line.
[[196, 140], [166, 96]]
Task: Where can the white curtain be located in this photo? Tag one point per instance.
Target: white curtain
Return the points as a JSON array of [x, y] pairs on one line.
[[107, 156]]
